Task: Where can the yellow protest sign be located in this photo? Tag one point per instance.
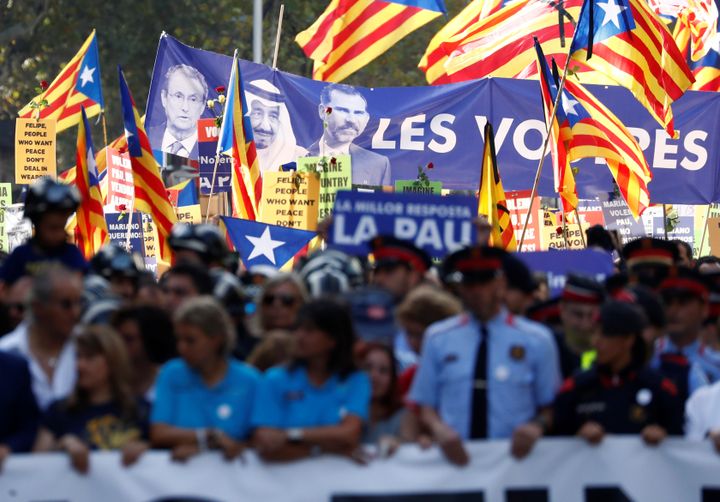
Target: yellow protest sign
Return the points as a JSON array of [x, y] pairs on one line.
[[290, 199], [551, 234], [34, 150], [189, 214], [150, 236]]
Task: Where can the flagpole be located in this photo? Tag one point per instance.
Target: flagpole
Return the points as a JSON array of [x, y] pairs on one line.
[[564, 226], [704, 233], [277, 36], [104, 125], [561, 86], [582, 232], [129, 231], [665, 221]]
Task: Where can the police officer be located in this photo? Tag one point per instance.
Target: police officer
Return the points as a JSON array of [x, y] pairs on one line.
[[580, 304], [121, 269], [483, 374], [618, 395], [48, 205], [649, 260], [681, 355]]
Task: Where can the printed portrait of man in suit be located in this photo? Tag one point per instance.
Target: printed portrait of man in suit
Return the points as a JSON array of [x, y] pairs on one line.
[[184, 97], [344, 111]]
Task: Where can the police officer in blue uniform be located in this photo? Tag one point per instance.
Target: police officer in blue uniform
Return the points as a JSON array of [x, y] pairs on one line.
[[484, 374], [681, 355]]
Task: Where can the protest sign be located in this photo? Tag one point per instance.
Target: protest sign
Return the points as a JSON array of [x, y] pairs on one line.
[[416, 186], [5, 202], [17, 228], [714, 235], [683, 221], [618, 217], [412, 126], [121, 189], [117, 224], [558, 264], [702, 244], [555, 235], [150, 239], [34, 149], [439, 225], [335, 174], [207, 148], [518, 203], [189, 214], [290, 200]]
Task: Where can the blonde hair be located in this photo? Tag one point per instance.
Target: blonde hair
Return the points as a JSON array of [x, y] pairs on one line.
[[276, 348], [427, 305], [207, 315]]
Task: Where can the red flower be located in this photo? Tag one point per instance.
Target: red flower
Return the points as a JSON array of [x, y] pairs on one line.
[[328, 110], [558, 230], [220, 89], [121, 208], [430, 165], [123, 149], [333, 161], [44, 85]]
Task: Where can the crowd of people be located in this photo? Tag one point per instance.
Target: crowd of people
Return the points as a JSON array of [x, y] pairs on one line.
[[350, 356]]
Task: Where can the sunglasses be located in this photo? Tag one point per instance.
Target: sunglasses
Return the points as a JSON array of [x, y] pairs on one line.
[[285, 300], [20, 307]]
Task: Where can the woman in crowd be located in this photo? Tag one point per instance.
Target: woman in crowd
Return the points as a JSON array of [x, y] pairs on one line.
[[318, 402], [386, 410], [147, 332], [278, 303], [203, 399], [275, 349], [102, 412]]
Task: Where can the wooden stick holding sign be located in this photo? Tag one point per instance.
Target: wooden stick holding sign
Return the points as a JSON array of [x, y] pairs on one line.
[[277, 36], [582, 232], [704, 232], [212, 186]]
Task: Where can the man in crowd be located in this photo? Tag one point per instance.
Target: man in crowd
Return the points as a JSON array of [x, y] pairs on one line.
[[343, 111], [680, 353], [271, 125], [55, 303], [182, 282], [183, 97], [484, 374], [649, 260]]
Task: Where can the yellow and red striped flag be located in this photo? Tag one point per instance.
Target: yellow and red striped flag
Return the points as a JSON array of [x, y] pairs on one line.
[[560, 133], [625, 40], [77, 86], [351, 33], [235, 139], [150, 194], [91, 228], [433, 61], [501, 45], [491, 197]]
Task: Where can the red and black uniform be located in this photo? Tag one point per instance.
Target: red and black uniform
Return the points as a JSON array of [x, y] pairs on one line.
[[621, 404]]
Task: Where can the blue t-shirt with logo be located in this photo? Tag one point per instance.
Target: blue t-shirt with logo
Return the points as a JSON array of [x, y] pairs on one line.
[[286, 398], [183, 400]]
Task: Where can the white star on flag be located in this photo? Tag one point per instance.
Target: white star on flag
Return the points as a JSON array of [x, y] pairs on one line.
[[612, 11], [264, 246], [87, 76], [569, 105]]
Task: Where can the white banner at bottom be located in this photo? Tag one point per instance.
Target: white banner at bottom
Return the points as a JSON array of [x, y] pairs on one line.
[[621, 469]]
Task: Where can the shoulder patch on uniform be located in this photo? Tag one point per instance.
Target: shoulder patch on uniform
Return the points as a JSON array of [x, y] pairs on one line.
[[669, 387], [568, 385], [517, 352], [510, 319]]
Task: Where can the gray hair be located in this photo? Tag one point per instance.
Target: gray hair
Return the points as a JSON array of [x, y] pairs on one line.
[[207, 315], [46, 282], [189, 72]]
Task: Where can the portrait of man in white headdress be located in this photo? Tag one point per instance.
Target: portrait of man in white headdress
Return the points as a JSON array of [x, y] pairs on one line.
[[272, 129]]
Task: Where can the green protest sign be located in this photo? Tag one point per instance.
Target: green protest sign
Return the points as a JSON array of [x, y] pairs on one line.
[[415, 186], [335, 173]]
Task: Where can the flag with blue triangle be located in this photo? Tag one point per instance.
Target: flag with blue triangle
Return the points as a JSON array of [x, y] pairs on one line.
[[262, 244]]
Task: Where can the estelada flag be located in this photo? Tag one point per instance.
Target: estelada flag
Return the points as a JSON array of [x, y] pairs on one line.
[[77, 86]]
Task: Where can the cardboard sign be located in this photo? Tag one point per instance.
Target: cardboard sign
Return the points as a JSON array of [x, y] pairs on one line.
[[558, 264], [519, 205], [714, 235], [334, 176], [34, 150], [439, 225], [5, 202], [702, 246], [415, 186], [118, 231], [189, 214], [207, 147], [121, 190], [619, 217], [290, 200]]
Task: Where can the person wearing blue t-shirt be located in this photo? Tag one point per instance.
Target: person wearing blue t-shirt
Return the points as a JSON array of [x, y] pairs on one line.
[[319, 402], [48, 205], [204, 399]]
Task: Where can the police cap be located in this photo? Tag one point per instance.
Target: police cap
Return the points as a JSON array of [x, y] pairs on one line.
[[389, 251]]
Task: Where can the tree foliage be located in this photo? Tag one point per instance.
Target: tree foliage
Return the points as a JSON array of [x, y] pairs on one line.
[[38, 37]]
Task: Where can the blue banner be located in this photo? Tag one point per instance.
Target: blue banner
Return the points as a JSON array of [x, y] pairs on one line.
[[390, 132], [118, 231], [558, 264], [439, 225]]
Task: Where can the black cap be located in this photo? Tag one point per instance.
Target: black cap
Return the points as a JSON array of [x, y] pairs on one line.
[[682, 281], [622, 319], [518, 275], [474, 264], [650, 251], [389, 251], [547, 312], [581, 289]]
